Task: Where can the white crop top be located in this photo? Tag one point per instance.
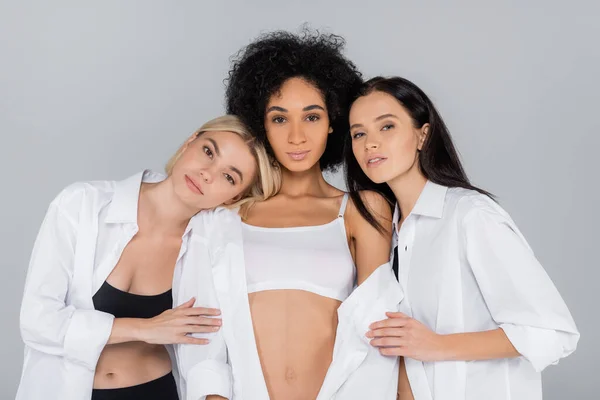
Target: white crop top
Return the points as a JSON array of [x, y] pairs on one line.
[[312, 258]]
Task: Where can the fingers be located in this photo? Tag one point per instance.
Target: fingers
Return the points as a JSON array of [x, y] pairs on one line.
[[398, 332], [192, 340], [188, 309], [201, 311], [187, 304], [201, 321], [393, 351], [200, 329], [394, 322], [388, 342], [391, 314]]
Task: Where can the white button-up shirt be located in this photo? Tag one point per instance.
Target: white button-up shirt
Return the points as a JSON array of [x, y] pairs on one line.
[[358, 371], [465, 267], [79, 243]]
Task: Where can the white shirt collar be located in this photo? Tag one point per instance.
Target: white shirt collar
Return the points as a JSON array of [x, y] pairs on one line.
[[124, 205], [429, 204]]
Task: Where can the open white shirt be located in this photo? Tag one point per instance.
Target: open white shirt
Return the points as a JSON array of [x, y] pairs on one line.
[[81, 239], [465, 267], [215, 275]]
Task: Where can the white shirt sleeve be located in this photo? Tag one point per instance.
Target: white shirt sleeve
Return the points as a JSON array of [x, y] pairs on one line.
[[204, 368], [359, 370], [47, 324], [521, 297]]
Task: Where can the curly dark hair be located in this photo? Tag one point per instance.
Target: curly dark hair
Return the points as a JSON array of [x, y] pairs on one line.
[[259, 70]]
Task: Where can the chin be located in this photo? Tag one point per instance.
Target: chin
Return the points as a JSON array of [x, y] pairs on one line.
[[378, 176], [184, 196], [301, 166]]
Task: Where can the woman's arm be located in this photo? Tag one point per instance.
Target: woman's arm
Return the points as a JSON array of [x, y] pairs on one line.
[[171, 327], [51, 326], [371, 247], [47, 324], [518, 292], [400, 335], [484, 345], [533, 319]]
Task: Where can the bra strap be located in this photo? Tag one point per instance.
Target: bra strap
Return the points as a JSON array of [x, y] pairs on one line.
[[343, 206]]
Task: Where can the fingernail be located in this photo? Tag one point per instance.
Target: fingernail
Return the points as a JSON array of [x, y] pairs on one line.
[[369, 334], [219, 322], [214, 328]]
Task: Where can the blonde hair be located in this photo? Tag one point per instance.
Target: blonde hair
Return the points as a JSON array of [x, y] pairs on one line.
[[268, 178]]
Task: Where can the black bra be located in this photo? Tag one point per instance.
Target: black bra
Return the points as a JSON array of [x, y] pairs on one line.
[[127, 305]]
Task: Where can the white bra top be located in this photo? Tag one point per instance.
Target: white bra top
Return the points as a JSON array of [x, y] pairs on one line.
[[311, 258]]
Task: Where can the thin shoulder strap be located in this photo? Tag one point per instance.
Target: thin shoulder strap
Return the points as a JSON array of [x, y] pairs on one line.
[[343, 206]]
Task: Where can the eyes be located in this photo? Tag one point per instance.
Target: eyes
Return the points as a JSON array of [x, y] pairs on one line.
[[359, 134], [210, 154], [310, 118]]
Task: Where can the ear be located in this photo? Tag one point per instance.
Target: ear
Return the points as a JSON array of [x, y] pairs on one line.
[[189, 141], [330, 130], [423, 132]]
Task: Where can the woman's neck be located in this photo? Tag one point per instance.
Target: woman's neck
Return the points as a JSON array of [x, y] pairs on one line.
[[161, 211], [407, 188], [304, 183]]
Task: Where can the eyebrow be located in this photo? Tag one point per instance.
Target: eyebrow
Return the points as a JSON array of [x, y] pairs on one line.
[[313, 107], [231, 167], [215, 146], [237, 171], [307, 108], [384, 116]]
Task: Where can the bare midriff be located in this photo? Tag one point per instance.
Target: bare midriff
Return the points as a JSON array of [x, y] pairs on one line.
[[295, 333], [129, 364], [404, 390]]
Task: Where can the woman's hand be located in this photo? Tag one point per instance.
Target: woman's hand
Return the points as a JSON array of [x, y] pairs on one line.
[[400, 335], [174, 326]]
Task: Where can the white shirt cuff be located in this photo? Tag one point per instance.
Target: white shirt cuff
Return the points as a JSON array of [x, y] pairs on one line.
[[209, 377], [541, 347], [87, 334]]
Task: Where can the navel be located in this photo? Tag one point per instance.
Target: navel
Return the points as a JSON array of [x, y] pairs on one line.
[[290, 374]]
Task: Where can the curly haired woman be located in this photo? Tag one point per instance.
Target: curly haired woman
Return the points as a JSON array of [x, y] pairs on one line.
[[294, 322]]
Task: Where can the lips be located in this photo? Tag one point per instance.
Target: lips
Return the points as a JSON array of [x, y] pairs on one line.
[[298, 155], [193, 185], [375, 160]]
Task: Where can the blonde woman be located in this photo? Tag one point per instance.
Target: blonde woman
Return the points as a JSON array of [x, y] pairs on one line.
[[107, 264]]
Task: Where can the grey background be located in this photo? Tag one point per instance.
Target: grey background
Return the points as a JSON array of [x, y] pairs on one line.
[[100, 90]]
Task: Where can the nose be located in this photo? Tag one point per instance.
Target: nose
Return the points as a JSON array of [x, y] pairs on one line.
[[206, 175], [296, 135], [371, 144]]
